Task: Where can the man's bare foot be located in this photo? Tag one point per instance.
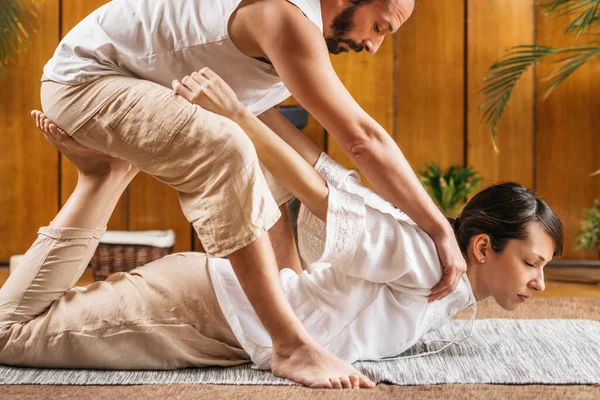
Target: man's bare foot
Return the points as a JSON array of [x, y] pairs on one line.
[[313, 366], [89, 162]]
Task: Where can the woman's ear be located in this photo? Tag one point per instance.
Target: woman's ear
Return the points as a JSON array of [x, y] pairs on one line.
[[481, 248]]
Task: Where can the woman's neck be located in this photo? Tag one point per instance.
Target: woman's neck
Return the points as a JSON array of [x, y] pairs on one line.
[[476, 284]]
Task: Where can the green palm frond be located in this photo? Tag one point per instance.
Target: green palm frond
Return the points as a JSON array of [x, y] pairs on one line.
[[506, 73], [504, 76], [569, 64], [17, 25], [589, 13]]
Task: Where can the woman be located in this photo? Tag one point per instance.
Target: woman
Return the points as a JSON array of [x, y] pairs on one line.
[[187, 310]]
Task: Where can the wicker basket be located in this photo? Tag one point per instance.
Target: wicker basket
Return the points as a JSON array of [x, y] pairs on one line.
[[123, 257]]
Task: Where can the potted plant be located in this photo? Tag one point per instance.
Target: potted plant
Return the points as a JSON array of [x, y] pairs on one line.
[[17, 25], [589, 232], [451, 189]]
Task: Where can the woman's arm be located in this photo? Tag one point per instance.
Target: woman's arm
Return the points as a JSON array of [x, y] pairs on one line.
[[208, 90], [291, 135], [297, 175], [387, 252]]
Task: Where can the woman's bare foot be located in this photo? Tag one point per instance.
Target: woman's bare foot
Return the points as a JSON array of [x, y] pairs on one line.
[[89, 162], [313, 366]]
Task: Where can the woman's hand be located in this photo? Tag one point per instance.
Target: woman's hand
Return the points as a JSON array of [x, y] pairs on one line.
[[206, 89]]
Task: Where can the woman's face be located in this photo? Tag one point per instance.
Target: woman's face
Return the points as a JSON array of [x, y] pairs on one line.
[[516, 273]]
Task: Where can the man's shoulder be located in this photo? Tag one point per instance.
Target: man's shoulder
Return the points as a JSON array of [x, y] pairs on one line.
[[279, 16], [273, 9]]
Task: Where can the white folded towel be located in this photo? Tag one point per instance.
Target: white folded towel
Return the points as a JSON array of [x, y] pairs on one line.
[[160, 239]]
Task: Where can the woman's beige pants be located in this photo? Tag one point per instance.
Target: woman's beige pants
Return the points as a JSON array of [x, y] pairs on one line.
[[164, 315]]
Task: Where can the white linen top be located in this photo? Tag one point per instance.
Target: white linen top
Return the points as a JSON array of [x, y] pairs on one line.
[[163, 40], [372, 302]]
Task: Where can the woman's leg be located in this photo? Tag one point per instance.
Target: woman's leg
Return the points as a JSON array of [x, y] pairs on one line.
[[161, 316], [62, 251]]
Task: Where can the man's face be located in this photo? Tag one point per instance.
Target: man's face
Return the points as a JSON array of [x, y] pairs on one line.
[[364, 25]]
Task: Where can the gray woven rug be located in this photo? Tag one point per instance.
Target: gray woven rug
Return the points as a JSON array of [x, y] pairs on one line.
[[502, 351]]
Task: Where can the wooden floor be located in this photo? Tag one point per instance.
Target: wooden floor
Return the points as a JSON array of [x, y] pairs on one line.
[[553, 288], [567, 289]]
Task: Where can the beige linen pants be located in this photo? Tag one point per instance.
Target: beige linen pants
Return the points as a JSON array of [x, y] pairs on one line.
[[207, 158], [164, 315]]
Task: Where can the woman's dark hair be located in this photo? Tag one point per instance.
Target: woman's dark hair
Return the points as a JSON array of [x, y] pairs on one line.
[[502, 212]]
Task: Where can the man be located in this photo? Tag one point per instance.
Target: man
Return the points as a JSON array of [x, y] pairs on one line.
[[106, 87]]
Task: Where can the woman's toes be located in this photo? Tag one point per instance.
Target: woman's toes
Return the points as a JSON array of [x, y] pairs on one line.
[[355, 381], [37, 121], [56, 135], [46, 124]]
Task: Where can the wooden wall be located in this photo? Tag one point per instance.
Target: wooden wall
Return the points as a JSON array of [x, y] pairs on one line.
[[567, 146], [493, 27], [422, 86], [29, 179], [147, 204]]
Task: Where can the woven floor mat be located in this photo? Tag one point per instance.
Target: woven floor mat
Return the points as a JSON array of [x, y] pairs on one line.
[[501, 351]]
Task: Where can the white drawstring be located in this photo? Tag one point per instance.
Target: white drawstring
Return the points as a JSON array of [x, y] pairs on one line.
[[448, 343]]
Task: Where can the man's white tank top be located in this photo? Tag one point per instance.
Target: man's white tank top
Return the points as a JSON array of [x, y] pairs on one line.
[[163, 40]]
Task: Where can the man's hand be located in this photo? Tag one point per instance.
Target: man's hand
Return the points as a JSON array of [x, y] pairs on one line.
[[206, 89], [453, 263]]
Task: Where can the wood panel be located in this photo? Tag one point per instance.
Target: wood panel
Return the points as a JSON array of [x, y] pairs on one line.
[[495, 26], [430, 84], [414, 87], [74, 11], [28, 163], [568, 144], [369, 78]]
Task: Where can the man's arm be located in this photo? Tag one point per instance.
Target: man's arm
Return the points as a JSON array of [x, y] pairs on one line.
[[296, 48]]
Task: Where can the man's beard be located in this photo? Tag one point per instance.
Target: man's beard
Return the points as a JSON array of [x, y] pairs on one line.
[[341, 26]]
